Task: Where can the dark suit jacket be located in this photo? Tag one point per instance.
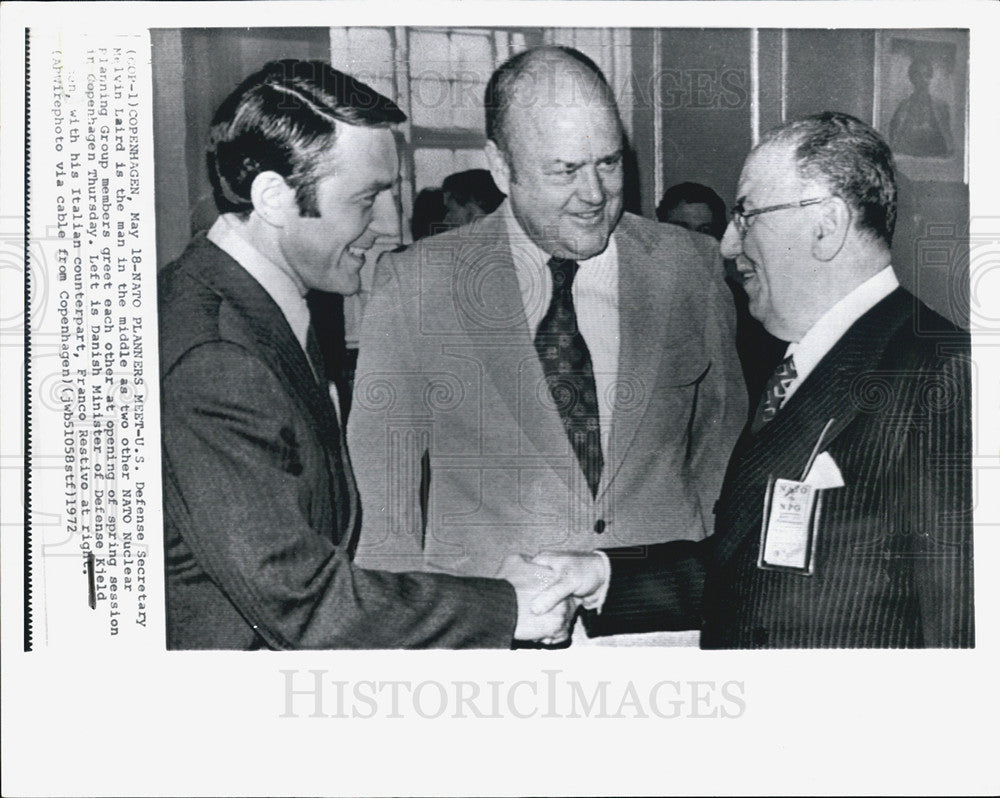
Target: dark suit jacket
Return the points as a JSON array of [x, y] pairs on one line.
[[260, 507], [894, 545]]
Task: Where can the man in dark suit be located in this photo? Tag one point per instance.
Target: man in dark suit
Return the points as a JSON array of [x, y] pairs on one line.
[[260, 506], [845, 518], [559, 374]]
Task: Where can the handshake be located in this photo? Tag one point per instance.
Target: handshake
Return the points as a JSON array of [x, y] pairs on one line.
[[550, 588]]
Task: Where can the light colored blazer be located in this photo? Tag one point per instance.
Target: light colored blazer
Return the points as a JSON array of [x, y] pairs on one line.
[[460, 454]]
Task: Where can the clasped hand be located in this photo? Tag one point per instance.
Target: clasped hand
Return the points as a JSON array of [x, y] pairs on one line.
[[550, 588]]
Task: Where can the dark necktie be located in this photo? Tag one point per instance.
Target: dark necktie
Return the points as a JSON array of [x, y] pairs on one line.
[[774, 393], [315, 354], [341, 475], [569, 372]]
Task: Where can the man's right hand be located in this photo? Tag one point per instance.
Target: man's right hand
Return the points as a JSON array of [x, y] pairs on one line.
[[531, 581], [578, 576]]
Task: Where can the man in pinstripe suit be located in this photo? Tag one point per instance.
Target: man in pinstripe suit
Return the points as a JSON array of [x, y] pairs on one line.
[[873, 400]]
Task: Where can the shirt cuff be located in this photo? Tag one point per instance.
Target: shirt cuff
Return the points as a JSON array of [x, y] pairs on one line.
[[595, 601]]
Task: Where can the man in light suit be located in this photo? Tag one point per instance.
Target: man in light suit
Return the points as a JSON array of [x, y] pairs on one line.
[[556, 375], [260, 505], [867, 420]]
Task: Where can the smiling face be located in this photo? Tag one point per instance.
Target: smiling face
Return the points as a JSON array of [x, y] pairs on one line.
[[774, 259], [563, 174], [355, 206]]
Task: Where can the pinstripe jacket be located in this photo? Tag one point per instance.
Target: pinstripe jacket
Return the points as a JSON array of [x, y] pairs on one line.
[[893, 557], [260, 507]]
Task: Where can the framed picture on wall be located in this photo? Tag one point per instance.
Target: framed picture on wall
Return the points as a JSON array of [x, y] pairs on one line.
[[921, 91]]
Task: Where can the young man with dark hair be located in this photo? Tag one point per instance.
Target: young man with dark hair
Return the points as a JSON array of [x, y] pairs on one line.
[[261, 511]]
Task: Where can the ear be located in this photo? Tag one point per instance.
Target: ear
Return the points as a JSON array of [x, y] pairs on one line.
[[499, 168], [273, 199], [832, 224]]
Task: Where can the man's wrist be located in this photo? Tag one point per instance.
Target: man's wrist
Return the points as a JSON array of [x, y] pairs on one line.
[[595, 601]]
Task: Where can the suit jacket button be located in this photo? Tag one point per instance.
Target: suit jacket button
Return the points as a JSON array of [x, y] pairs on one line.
[[599, 526]]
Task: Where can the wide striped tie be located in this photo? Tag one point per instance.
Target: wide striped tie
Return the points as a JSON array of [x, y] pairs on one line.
[[774, 393]]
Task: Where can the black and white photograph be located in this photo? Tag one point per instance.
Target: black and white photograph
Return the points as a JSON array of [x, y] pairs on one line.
[[463, 390], [552, 394]]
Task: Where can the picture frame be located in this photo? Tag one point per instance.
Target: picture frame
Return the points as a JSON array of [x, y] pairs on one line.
[[920, 102]]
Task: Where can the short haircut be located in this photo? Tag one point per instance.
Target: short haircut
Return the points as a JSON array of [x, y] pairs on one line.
[[473, 187], [500, 90], [284, 119], [852, 159], [428, 213], [693, 194]]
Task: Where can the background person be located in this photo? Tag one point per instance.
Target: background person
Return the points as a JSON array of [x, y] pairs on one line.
[[698, 208], [428, 213], [468, 196]]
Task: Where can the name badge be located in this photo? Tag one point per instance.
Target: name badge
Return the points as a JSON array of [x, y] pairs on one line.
[[788, 529]]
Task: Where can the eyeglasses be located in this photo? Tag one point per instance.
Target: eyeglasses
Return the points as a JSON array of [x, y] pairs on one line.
[[740, 216]]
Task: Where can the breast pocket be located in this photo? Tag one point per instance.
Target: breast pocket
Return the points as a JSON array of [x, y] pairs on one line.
[[682, 393], [684, 364]]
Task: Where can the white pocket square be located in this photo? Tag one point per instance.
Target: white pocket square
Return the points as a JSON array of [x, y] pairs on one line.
[[824, 473]]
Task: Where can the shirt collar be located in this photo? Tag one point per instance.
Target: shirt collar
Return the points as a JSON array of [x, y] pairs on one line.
[[525, 250], [287, 294], [837, 320], [599, 273]]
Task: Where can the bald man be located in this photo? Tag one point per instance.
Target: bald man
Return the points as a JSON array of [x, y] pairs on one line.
[[557, 375]]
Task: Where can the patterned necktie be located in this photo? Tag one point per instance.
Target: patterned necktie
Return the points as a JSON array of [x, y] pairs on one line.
[[569, 372], [774, 393]]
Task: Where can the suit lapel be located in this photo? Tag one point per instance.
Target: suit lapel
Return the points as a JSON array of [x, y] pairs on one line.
[[644, 299], [281, 350], [497, 327], [781, 449]]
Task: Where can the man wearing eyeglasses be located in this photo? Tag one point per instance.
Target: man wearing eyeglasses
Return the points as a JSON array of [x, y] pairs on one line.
[[845, 518]]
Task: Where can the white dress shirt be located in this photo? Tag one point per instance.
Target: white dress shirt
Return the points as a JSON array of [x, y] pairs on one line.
[[595, 299], [832, 325], [287, 291]]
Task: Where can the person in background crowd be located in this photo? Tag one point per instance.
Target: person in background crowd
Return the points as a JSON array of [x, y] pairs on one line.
[[468, 196], [695, 207], [699, 208], [428, 214]]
